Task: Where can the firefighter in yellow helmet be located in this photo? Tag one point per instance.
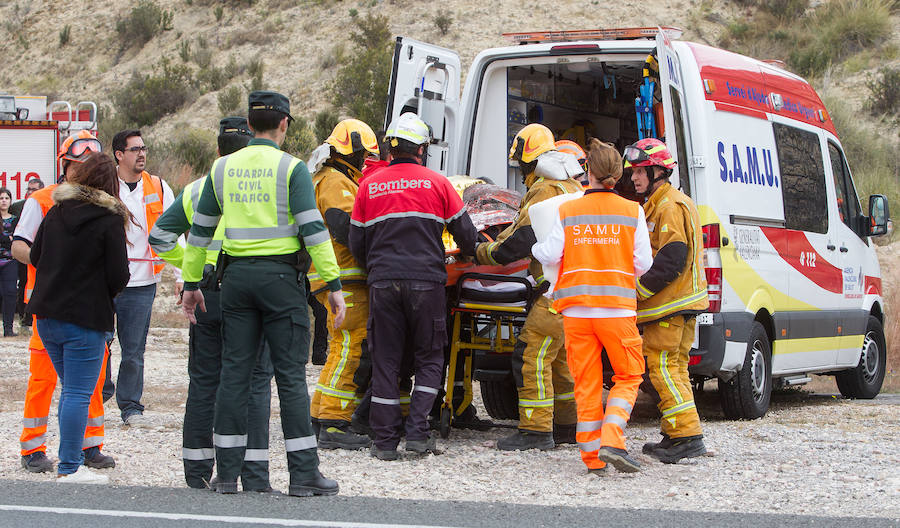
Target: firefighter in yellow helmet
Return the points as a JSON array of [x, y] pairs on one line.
[[546, 389], [670, 295], [337, 165]]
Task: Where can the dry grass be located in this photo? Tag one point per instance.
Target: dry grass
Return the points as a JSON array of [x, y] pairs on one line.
[[892, 334]]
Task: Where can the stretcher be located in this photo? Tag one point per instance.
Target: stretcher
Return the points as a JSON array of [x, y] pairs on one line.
[[487, 312]]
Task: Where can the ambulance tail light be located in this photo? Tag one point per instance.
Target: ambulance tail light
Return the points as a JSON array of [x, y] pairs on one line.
[[712, 264]]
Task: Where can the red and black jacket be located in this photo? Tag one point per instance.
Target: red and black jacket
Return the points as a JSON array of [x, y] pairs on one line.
[[398, 219]]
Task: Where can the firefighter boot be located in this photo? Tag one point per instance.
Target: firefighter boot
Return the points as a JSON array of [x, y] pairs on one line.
[[665, 443], [423, 447], [37, 462], [523, 440], [318, 485], [341, 437], [687, 447], [93, 458]]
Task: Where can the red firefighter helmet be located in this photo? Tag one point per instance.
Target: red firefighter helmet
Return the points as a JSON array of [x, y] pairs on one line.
[[647, 152]]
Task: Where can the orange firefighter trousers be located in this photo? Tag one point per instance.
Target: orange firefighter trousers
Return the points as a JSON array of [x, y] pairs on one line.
[[585, 338], [41, 384]]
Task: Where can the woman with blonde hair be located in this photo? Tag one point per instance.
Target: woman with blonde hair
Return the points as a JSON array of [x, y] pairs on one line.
[[82, 264]]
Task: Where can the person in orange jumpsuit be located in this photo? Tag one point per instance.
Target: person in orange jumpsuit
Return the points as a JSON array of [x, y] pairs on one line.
[[42, 376], [601, 243]]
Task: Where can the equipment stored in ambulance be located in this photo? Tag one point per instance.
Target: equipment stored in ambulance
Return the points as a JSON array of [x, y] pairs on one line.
[[793, 280]]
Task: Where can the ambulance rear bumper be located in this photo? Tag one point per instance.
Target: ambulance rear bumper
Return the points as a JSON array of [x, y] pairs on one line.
[[721, 344]]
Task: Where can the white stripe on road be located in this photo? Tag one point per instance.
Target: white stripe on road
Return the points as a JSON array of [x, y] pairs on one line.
[[208, 518]]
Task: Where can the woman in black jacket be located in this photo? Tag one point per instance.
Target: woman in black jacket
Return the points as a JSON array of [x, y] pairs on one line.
[[9, 268], [82, 264]]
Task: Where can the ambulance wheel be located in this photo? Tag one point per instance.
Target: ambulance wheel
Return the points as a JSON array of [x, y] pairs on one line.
[[747, 394], [500, 398], [445, 423], [864, 381]]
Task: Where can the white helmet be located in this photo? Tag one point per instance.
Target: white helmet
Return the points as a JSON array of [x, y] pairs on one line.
[[410, 128]]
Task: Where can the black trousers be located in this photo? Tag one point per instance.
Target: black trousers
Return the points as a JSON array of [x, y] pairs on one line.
[[405, 316], [204, 368], [262, 297]]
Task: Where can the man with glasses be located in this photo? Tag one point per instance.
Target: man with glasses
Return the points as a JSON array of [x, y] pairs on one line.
[[146, 197]]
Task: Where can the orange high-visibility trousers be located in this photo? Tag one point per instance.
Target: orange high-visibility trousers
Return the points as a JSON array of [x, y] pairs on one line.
[[585, 338], [41, 384]]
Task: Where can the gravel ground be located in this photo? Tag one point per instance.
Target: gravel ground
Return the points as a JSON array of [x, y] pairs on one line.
[[812, 454]]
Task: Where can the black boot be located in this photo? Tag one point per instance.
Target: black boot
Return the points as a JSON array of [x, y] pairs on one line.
[[619, 459], [564, 434], [687, 447], [666, 442], [523, 440], [318, 485], [469, 419], [341, 437]]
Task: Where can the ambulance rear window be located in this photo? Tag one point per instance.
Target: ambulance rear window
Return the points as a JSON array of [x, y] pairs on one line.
[[802, 179]]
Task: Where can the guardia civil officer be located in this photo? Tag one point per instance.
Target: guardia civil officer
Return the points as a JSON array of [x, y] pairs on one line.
[[264, 199], [205, 341], [395, 235]]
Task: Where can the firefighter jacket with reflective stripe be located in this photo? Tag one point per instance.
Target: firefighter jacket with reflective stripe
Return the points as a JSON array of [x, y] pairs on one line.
[[153, 208], [175, 221], [398, 220], [337, 185], [514, 243], [597, 268], [676, 282], [265, 201]]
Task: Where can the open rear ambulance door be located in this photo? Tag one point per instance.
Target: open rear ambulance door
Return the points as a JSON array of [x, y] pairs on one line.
[[425, 80], [671, 88]]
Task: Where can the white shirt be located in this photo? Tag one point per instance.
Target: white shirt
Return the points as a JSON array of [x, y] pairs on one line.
[[550, 252], [140, 261], [29, 221]]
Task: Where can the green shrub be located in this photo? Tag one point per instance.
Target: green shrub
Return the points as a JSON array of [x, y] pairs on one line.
[[145, 21], [885, 92], [231, 101], [353, 12], [211, 79], [300, 140], [219, 12], [442, 20], [195, 147], [146, 98], [255, 69], [360, 86], [202, 57], [332, 57], [184, 50], [325, 122], [64, 35]]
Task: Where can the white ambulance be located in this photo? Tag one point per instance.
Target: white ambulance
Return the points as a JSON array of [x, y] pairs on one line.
[[794, 283]]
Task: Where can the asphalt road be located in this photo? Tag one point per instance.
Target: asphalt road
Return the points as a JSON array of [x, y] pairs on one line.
[[64, 506]]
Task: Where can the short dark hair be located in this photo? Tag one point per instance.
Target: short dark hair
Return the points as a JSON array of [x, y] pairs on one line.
[[264, 120], [404, 148], [120, 140], [39, 181], [229, 143]]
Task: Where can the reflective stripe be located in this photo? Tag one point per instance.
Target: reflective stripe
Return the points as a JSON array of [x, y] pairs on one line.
[[310, 215], [163, 247], [385, 401], [226, 441], [299, 444], [674, 305], [344, 395], [407, 214], [459, 384], [204, 453], [405, 400], [196, 188], [614, 291], [565, 396], [461, 212], [215, 245], [198, 241], [591, 270], [151, 198], [256, 455], [536, 403], [643, 290], [219, 180], [316, 238], [96, 421], [282, 205], [203, 220], [92, 441], [615, 419], [263, 233], [34, 443], [344, 272], [681, 407], [663, 368], [345, 355], [624, 220], [542, 354], [34, 422], [490, 250], [161, 234], [593, 445], [422, 388], [587, 427], [620, 403]]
